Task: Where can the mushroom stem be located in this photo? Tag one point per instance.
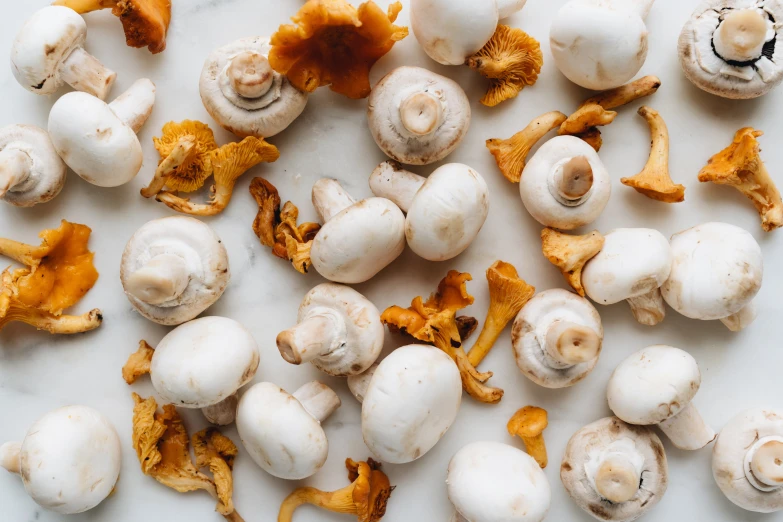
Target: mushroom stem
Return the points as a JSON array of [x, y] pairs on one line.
[[572, 180], [162, 279], [617, 478], [764, 464], [508, 7], [85, 73], [224, 412], [330, 198], [134, 106], [648, 309], [15, 167], [389, 180], [63, 324], [318, 399], [250, 74], [687, 429], [321, 333], [421, 113], [10, 457], [568, 344], [178, 157], [741, 35], [86, 6], [340, 501], [359, 384], [741, 319]]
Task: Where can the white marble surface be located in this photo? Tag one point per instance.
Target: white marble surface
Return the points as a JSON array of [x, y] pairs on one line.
[[39, 372]]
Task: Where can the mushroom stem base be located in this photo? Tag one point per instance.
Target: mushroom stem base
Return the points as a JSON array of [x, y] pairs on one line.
[[63, 324], [330, 198], [389, 180], [687, 429], [134, 106], [359, 384], [10, 457], [568, 344], [222, 413], [85, 73], [14, 168], [648, 309], [742, 319], [163, 279], [320, 334], [318, 399]]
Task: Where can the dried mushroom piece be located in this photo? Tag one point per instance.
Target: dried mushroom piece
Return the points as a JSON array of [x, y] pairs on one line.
[[529, 424], [571, 253], [333, 43], [586, 119], [216, 452], [739, 165], [139, 363]]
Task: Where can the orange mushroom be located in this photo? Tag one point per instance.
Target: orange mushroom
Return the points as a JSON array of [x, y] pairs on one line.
[[571, 253]]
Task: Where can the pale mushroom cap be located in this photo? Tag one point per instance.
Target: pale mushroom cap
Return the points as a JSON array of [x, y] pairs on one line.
[[495, 482], [593, 439], [202, 362], [204, 255], [728, 459], [413, 399], [653, 384], [717, 271], [70, 459], [633, 262], [280, 434], [47, 172]]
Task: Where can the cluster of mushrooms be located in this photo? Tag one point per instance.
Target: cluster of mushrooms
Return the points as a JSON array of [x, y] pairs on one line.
[[173, 269]]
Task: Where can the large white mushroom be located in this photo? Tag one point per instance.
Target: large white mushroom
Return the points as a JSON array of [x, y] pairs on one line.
[[31, 172], [69, 461], [444, 212]]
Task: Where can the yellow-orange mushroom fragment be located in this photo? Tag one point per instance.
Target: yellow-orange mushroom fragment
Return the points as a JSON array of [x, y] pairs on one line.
[[529, 424], [571, 253]]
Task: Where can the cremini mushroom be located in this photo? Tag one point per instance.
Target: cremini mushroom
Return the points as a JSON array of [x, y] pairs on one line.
[[444, 211], [731, 48], [557, 338], [333, 43], [283, 432], [56, 275], [600, 44], [69, 461], [145, 22], [656, 386], [615, 471], [366, 497], [632, 266], [242, 92], [173, 269], [49, 51], [494, 481], [528, 424], [98, 140], [31, 172], [716, 273], [571, 253], [338, 330], [740, 166], [418, 117], [358, 239], [746, 460]]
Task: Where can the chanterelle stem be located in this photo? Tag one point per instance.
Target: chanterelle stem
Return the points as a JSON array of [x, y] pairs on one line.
[[421, 113], [318, 399], [687, 429], [162, 279], [764, 464], [389, 180], [250, 74], [85, 73], [10, 456], [15, 167], [134, 106], [741, 35], [321, 333], [181, 153], [330, 198], [568, 344]]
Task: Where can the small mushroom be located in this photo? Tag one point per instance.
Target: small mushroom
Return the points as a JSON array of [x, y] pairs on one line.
[[746, 460], [740, 166], [656, 386], [716, 273], [571, 253], [69, 461], [31, 172], [730, 48], [49, 51], [338, 330], [173, 269], [98, 140], [565, 185], [529, 424], [444, 212], [358, 240], [615, 471], [557, 338], [632, 266], [494, 481], [283, 432], [418, 117]]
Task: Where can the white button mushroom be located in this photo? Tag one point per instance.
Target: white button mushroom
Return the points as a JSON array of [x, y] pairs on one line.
[[31, 172], [173, 269], [358, 240], [600, 44], [69, 460], [717, 271], [49, 51], [444, 212], [491, 481], [418, 117], [98, 140], [655, 386], [615, 471], [339, 331], [283, 432], [557, 338], [565, 184], [631, 266], [244, 95], [747, 461]]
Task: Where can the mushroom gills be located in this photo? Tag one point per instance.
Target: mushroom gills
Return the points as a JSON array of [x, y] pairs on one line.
[[764, 464], [742, 35], [615, 472], [687, 429]]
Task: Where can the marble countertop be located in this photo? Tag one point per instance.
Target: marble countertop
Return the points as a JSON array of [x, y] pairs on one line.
[[39, 372]]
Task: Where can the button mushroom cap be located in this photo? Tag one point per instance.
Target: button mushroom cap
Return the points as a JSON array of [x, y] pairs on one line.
[[412, 400], [173, 269], [31, 172], [746, 460], [557, 338], [491, 481], [203, 362], [244, 95], [69, 460], [418, 117], [615, 471], [565, 184]]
